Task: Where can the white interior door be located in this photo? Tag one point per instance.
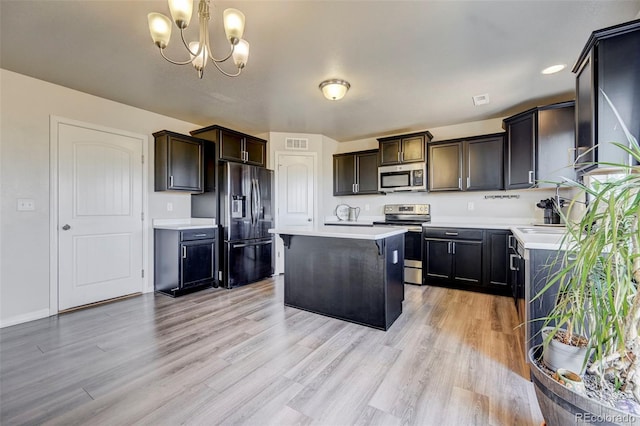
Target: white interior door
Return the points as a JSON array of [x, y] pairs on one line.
[[295, 194], [100, 226]]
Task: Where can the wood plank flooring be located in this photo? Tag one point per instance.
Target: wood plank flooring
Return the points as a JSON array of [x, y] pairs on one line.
[[240, 357]]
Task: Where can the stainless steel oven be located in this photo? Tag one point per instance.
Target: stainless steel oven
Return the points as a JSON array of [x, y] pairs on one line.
[[410, 216]]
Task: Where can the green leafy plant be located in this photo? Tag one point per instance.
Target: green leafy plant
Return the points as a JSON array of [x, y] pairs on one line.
[[598, 281]]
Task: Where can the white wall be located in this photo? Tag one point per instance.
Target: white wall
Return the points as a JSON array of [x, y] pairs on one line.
[[25, 107], [319, 145]]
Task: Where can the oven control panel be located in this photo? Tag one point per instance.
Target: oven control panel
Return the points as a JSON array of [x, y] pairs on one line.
[[422, 209]]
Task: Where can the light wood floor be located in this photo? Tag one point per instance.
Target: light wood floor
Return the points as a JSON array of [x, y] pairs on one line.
[[240, 357]]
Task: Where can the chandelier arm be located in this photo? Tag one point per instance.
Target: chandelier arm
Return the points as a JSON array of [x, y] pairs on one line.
[[213, 58], [172, 61], [226, 73], [187, 44]]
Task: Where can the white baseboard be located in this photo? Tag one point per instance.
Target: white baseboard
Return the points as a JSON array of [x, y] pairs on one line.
[[19, 319]]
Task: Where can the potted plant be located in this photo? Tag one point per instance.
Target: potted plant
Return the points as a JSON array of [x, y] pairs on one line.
[[597, 305]]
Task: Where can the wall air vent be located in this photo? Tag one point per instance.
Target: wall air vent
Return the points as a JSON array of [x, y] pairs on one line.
[[297, 144], [481, 99]]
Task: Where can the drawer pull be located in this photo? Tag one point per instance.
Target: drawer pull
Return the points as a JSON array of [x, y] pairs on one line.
[[453, 234], [199, 235]]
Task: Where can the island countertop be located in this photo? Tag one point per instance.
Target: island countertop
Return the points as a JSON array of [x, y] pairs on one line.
[[350, 232]]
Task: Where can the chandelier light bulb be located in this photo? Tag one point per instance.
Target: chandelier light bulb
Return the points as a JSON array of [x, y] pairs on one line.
[[233, 24], [181, 11], [241, 53], [199, 60], [160, 29]]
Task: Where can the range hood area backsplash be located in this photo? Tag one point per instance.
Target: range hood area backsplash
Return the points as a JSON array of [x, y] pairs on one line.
[[483, 207]]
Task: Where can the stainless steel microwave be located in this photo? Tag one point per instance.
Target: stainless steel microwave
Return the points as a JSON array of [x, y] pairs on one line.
[[403, 177]]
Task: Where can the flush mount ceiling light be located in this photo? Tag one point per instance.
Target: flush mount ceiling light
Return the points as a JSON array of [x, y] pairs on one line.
[[200, 51], [554, 69], [334, 89]]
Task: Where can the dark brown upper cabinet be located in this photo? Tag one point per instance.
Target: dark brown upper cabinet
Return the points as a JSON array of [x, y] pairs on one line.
[[469, 164], [235, 146], [355, 173], [178, 162], [540, 145], [404, 148], [608, 66]]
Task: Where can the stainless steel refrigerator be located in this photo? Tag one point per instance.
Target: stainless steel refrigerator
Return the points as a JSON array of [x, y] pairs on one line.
[[245, 203]]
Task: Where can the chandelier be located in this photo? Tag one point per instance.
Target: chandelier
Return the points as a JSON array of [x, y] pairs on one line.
[[200, 51]]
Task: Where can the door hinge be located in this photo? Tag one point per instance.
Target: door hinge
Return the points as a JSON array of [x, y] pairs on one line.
[[143, 273]]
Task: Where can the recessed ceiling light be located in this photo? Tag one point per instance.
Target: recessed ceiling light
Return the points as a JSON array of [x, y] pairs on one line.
[[554, 69]]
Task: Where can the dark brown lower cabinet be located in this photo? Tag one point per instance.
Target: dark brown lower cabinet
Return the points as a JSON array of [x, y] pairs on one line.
[[184, 261], [473, 259]]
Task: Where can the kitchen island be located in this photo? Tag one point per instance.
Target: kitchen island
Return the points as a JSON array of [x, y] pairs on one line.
[[351, 273]]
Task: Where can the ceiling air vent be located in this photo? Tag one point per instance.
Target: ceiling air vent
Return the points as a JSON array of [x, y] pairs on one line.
[[481, 99], [297, 144]]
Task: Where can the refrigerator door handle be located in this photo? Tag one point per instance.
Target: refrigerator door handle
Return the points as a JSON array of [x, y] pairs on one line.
[[259, 201], [255, 201], [251, 200]]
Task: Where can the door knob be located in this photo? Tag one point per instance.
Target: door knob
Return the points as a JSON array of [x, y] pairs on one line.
[[66, 227]]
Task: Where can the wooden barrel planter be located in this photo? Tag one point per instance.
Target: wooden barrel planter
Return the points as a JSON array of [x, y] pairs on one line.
[[561, 406]]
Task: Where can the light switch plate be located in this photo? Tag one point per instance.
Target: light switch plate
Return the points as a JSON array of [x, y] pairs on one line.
[[26, 204]]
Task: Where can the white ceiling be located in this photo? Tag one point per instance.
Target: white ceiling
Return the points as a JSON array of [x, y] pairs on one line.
[[412, 65]]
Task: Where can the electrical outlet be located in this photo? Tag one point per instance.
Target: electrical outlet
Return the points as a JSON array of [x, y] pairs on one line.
[[470, 205], [169, 207], [26, 204]]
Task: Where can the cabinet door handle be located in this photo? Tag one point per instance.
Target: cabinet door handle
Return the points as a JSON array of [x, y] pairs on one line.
[[449, 247], [453, 246], [531, 177], [171, 181], [401, 156], [468, 182], [460, 182], [357, 187], [454, 234], [510, 242], [398, 156], [184, 252], [511, 258]]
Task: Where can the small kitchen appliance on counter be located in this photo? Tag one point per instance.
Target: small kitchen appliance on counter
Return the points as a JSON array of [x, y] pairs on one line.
[[551, 214], [413, 216]]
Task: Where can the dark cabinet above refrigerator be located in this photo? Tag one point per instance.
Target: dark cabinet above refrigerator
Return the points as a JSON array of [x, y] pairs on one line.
[[235, 146]]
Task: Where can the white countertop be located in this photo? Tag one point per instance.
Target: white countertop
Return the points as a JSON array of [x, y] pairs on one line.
[[350, 232], [543, 238], [184, 224], [349, 222]]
